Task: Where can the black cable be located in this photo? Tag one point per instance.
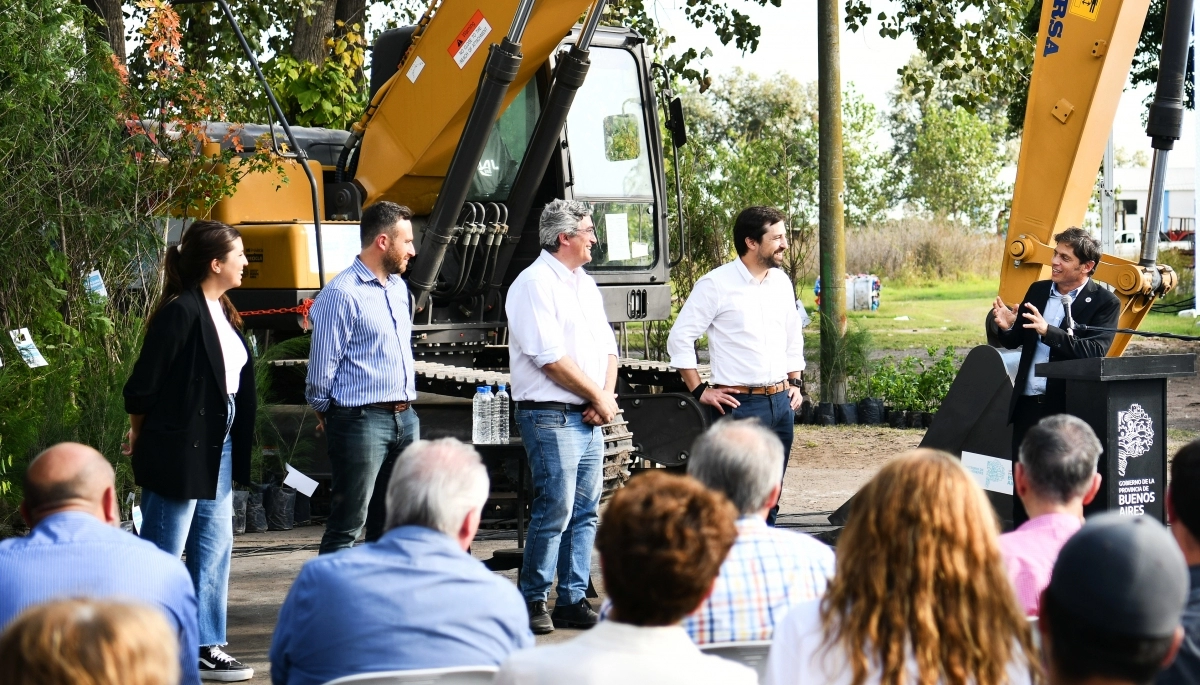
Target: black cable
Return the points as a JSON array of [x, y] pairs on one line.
[[1132, 331]]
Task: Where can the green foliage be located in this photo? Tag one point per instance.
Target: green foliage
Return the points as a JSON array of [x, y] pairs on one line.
[[328, 95], [277, 440], [953, 167], [914, 384]]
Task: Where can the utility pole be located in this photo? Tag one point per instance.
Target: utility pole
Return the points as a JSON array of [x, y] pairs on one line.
[[831, 221]]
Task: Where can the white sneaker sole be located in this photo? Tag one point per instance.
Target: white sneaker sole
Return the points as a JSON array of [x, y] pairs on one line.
[[228, 676]]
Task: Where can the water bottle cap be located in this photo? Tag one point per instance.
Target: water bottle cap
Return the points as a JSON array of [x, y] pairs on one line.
[[500, 387], [481, 388]]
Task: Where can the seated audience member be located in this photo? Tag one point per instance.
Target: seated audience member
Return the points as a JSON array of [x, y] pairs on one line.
[[1055, 476], [919, 594], [85, 642], [661, 543], [1111, 612], [77, 549], [768, 570], [1183, 510], [413, 599]]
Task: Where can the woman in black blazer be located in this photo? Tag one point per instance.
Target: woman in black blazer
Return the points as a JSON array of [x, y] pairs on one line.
[[191, 404]]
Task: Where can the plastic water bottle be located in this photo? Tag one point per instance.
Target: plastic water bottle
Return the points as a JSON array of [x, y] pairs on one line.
[[481, 416], [500, 416]]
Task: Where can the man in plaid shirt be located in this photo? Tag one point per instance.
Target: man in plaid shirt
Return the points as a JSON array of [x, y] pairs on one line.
[[768, 570]]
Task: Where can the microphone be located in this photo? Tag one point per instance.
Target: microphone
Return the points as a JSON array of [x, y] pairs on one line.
[[1068, 322]]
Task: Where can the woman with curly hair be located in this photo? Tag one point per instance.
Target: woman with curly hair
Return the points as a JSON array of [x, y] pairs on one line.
[[919, 596]]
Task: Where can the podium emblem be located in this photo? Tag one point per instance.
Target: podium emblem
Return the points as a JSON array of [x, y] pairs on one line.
[[1135, 435]]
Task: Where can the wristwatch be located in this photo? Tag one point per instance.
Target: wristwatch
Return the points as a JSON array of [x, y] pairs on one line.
[[796, 382]]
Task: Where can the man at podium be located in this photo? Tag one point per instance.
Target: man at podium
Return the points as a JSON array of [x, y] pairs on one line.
[[1043, 327]]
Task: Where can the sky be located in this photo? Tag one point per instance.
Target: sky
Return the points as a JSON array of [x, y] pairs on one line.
[[789, 43]]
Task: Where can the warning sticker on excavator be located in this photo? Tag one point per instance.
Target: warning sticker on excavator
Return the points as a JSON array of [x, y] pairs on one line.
[[1088, 9], [469, 39]]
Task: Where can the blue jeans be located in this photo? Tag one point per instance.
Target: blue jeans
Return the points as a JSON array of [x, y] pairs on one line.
[[204, 529], [775, 412], [566, 457], [363, 445]]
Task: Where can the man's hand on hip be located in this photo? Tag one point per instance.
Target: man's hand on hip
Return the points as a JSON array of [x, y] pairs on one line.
[[719, 398], [795, 398]]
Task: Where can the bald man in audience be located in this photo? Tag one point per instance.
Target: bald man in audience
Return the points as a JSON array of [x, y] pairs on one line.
[[76, 548]]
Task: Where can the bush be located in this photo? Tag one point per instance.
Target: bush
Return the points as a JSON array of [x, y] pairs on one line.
[[913, 384], [916, 249]]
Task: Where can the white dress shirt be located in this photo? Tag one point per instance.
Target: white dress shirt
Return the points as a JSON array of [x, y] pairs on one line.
[[798, 656], [232, 349], [554, 313], [754, 332], [614, 653], [1036, 385]]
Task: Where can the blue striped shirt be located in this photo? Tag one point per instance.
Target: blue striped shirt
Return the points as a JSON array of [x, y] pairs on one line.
[[362, 342], [74, 554]]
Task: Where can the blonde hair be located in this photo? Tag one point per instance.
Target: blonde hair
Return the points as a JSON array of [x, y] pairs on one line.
[[85, 642], [919, 575]]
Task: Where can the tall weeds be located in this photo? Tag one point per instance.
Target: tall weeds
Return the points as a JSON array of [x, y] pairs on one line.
[[918, 249]]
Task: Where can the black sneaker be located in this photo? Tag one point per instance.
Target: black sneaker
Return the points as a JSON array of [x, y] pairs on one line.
[[578, 615], [539, 618], [215, 664]]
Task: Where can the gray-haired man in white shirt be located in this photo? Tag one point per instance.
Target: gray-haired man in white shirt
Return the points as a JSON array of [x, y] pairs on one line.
[[755, 340], [563, 363]]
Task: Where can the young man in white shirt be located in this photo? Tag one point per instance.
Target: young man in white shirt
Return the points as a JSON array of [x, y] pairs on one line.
[[661, 546], [563, 363], [755, 340]]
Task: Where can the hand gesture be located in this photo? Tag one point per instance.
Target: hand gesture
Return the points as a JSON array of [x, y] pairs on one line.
[[719, 398], [1035, 320], [1002, 315]]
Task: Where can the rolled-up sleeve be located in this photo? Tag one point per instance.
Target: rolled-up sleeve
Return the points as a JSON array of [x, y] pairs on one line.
[[794, 326], [693, 320], [333, 316], [532, 322]]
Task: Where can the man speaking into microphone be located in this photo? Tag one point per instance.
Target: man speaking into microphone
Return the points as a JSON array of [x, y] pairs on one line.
[[1042, 328]]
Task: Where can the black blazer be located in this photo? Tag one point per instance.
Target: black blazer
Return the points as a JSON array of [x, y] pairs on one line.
[[1094, 306], [178, 382]]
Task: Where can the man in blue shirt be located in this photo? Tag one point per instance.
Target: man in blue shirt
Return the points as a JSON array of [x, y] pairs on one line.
[[413, 599], [360, 374], [76, 549]]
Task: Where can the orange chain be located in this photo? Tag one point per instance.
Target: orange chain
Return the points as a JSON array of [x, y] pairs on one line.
[[301, 309]]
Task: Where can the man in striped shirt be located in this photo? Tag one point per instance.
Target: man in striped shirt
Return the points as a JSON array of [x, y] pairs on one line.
[[360, 374], [768, 570]]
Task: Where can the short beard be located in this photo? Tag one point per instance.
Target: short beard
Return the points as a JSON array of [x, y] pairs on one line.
[[769, 261], [393, 262]]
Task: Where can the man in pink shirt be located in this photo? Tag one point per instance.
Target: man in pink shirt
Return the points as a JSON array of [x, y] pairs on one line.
[[1054, 477]]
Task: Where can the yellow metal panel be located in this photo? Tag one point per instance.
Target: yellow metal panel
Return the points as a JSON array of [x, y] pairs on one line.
[[409, 141], [1061, 149], [266, 197], [280, 254]]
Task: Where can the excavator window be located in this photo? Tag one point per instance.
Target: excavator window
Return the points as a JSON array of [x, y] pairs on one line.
[[610, 162], [506, 147]]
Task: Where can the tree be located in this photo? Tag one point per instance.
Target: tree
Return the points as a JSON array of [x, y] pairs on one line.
[[953, 167]]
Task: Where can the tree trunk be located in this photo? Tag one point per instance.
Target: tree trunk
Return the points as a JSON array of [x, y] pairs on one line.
[[308, 40], [832, 212], [352, 12], [113, 30]]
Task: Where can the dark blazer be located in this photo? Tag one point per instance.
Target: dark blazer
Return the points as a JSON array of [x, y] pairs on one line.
[[178, 382], [1094, 306]]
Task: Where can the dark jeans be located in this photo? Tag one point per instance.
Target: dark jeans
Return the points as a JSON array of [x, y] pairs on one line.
[[1029, 410], [363, 445], [775, 412]]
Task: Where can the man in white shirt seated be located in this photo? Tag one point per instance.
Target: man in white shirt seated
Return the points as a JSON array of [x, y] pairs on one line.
[[769, 570], [661, 544], [747, 308]]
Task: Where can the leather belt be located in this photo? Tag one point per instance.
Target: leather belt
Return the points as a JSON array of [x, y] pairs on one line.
[[781, 386], [394, 407], [551, 406]]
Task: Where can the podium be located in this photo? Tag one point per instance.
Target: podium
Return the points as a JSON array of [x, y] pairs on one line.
[[1124, 400]]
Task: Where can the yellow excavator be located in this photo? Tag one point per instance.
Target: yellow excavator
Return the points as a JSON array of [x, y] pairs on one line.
[[1082, 58], [479, 115]]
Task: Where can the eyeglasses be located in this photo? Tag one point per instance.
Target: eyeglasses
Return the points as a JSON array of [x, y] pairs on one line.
[[586, 231]]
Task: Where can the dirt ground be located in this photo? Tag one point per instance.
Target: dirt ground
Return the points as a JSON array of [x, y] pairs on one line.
[[826, 467]]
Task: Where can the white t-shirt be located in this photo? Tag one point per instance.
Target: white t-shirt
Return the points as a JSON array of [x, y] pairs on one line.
[[232, 349], [798, 656]]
